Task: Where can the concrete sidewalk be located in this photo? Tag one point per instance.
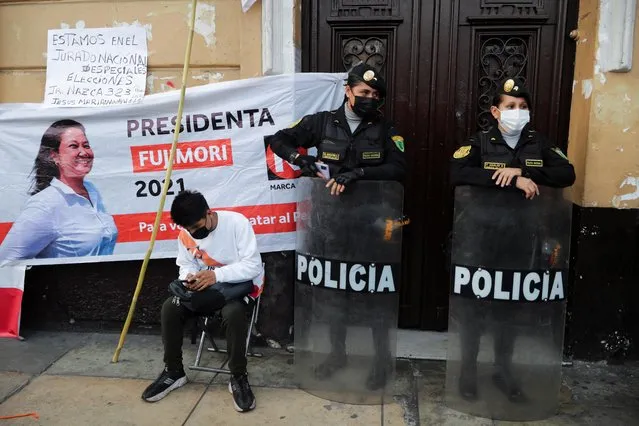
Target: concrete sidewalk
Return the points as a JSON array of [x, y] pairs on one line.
[[68, 379]]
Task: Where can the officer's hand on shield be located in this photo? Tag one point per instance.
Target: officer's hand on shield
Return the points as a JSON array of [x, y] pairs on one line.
[[307, 164], [339, 183], [528, 186], [335, 188], [503, 177]]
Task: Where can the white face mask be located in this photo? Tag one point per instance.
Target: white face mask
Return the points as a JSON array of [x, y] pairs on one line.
[[514, 120]]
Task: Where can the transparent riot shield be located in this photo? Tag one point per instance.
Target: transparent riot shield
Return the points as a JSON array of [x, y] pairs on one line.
[[509, 270], [346, 289]]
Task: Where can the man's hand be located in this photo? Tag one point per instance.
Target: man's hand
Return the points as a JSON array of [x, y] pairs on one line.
[[341, 181], [307, 164], [502, 177], [528, 186], [203, 279]]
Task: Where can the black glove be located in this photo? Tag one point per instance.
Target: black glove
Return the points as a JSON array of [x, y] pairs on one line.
[[347, 177], [306, 163]]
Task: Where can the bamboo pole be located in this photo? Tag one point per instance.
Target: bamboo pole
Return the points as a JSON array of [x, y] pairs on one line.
[[165, 188]]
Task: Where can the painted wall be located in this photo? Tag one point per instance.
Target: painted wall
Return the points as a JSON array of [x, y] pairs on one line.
[[226, 46], [604, 121], [603, 315]]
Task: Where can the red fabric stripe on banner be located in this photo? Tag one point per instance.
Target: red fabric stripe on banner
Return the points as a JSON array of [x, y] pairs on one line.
[[133, 227], [4, 230], [10, 304], [266, 219]]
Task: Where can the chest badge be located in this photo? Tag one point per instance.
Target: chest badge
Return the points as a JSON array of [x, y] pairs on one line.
[[370, 155], [330, 156], [534, 163], [490, 165]]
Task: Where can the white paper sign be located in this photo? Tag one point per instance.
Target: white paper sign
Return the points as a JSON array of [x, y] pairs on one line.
[[96, 67]]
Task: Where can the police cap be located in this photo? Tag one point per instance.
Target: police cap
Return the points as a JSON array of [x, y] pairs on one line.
[[514, 87], [364, 73]]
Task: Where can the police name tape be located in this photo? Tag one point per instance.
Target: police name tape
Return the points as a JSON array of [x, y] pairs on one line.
[[359, 277], [517, 286]]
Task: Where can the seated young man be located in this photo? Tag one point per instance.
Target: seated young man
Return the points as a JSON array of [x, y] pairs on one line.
[[219, 266]]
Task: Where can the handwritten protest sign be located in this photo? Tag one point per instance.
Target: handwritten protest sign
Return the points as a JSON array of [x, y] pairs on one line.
[[96, 67]]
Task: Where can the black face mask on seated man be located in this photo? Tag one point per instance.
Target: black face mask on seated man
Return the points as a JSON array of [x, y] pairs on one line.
[[201, 233]]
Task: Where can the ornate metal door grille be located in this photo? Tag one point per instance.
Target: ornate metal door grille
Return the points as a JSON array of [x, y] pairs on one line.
[[500, 58]]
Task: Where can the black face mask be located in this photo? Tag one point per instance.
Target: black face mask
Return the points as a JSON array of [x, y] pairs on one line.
[[365, 107], [202, 232]]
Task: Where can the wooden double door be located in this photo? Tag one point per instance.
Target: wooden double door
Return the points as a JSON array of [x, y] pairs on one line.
[[442, 59]]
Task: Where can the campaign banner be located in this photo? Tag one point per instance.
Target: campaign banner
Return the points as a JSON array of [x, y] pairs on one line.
[[84, 182], [91, 67]]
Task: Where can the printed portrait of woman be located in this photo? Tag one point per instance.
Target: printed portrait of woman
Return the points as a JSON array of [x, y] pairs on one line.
[[65, 215]]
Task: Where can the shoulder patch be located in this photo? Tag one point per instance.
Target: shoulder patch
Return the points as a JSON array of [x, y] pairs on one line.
[[559, 153], [462, 152], [295, 123], [399, 142]]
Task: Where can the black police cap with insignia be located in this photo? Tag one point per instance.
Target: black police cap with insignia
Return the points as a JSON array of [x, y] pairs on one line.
[[514, 87], [364, 73]]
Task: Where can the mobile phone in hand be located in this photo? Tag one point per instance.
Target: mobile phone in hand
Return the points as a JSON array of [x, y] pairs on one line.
[[324, 170], [187, 282]]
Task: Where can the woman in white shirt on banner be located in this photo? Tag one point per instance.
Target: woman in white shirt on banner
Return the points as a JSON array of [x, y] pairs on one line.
[[65, 215]]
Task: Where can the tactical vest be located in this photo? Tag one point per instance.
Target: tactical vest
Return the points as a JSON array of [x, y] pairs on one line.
[[497, 155], [341, 150]]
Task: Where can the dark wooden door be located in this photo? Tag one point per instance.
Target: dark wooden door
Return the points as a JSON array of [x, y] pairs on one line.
[[441, 59]]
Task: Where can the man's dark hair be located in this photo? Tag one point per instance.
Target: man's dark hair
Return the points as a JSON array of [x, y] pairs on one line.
[[188, 207]]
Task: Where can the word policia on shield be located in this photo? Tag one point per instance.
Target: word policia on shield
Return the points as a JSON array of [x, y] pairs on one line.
[[517, 286], [83, 183]]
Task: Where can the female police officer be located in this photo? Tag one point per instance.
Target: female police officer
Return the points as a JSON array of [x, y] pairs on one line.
[[355, 141], [509, 157], [511, 154]]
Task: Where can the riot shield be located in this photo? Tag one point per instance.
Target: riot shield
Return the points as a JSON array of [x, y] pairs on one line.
[[507, 304], [346, 290]]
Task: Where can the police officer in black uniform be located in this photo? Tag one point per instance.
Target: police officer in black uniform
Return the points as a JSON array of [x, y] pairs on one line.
[[356, 143], [511, 154], [510, 157]]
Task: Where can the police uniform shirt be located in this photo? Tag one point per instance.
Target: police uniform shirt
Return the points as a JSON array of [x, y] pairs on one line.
[[485, 152], [375, 146]]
